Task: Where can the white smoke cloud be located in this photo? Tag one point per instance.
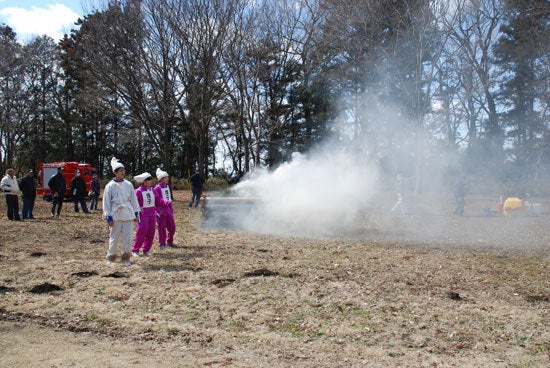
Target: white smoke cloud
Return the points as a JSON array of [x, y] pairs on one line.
[[320, 193]]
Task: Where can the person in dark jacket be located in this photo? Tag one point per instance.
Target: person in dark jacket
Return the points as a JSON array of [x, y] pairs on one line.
[[58, 187], [95, 190], [78, 191], [196, 188], [28, 188], [235, 179]]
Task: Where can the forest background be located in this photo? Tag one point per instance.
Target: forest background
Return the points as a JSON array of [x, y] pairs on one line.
[[424, 88]]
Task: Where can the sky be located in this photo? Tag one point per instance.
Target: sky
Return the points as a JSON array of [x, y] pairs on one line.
[[31, 18]]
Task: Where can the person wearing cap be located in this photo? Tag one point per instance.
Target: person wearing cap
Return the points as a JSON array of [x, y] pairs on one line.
[[165, 211], [95, 190], [78, 191], [146, 225], [28, 190], [121, 210], [10, 187], [197, 182], [58, 187]]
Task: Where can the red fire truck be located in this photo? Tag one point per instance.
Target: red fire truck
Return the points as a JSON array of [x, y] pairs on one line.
[[49, 169]]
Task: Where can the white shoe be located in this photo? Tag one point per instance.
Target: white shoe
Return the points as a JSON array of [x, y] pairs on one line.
[[145, 254], [109, 262], [127, 262], [135, 254]]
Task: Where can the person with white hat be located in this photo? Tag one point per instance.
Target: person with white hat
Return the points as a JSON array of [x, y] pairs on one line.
[[121, 210], [165, 211], [146, 226]]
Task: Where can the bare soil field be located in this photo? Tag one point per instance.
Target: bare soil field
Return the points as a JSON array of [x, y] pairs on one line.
[[423, 289]]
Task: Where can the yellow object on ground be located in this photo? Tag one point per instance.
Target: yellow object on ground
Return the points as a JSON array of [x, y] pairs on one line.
[[513, 206]]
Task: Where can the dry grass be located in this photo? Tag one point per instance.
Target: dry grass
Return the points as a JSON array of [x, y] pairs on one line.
[[458, 296]]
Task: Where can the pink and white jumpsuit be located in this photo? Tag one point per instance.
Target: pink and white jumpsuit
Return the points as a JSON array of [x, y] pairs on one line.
[[146, 226], [165, 214]]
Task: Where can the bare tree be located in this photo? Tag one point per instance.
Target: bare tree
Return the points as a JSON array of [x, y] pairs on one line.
[[129, 49], [29, 82], [11, 85], [474, 31], [200, 29]]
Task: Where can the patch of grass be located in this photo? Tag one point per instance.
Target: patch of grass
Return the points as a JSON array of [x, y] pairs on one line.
[[362, 313], [100, 321], [295, 327], [521, 341], [543, 347]]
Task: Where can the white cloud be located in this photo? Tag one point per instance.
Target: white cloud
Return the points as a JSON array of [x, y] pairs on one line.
[[54, 21]]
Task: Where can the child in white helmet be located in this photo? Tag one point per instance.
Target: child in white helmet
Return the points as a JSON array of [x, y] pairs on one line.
[[121, 210], [165, 211], [146, 227]]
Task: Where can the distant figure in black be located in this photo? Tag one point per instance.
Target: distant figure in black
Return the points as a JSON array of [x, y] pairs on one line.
[[78, 191], [95, 190], [235, 178], [28, 188], [58, 187], [460, 190], [197, 182]]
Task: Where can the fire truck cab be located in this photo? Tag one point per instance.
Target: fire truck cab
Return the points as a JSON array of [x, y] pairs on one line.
[[49, 169]]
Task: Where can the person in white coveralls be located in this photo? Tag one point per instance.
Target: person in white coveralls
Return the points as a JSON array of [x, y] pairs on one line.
[[121, 210]]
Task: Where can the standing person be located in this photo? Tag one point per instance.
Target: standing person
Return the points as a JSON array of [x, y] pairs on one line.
[[196, 188], [459, 193], [78, 191], [235, 179], [58, 187], [121, 210], [28, 188], [165, 211], [146, 225], [11, 189], [95, 190], [399, 190]]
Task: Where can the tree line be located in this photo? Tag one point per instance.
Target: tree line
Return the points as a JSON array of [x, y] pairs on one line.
[[240, 84]]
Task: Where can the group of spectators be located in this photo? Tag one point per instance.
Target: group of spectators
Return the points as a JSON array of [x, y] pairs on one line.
[[78, 190], [26, 187], [149, 207]]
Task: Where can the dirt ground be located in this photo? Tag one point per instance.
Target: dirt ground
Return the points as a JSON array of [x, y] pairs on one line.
[[424, 289]]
